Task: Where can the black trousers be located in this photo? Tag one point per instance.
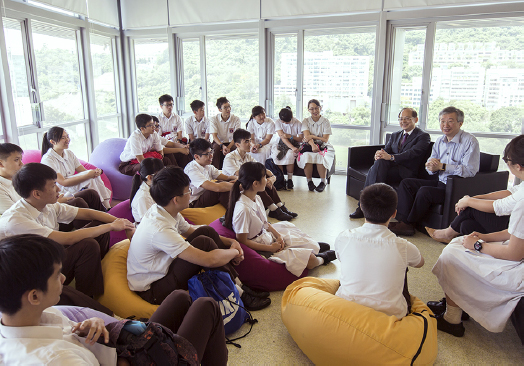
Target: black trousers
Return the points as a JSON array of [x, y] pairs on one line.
[[471, 220], [383, 171], [415, 196]]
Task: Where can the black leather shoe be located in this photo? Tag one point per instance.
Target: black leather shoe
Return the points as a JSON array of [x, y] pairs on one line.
[[253, 303], [290, 213], [456, 330], [324, 247], [280, 215], [439, 307], [311, 185], [321, 187], [358, 214], [250, 291], [289, 184], [328, 256]]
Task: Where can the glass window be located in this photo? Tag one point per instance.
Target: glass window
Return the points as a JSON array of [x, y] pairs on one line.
[[406, 72], [192, 79], [478, 66], [29, 142], [103, 75], [338, 71], [17, 71], [285, 76], [78, 144], [108, 128], [152, 73], [342, 138], [232, 71], [59, 85]]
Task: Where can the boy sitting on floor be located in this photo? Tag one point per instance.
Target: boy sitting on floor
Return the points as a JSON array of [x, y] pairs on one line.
[[374, 260], [143, 143], [239, 156], [204, 191]]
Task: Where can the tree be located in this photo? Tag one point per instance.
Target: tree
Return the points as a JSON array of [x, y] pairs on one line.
[[507, 119]]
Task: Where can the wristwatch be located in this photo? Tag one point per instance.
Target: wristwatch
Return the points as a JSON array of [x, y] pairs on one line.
[[392, 158], [478, 246], [443, 166]]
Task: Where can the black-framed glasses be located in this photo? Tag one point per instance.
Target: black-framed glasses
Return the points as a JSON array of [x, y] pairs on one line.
[[207, 154], [168, 104], [506, 160]]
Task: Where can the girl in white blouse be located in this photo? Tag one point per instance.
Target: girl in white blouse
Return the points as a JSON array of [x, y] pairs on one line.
[[316, 130], [56, 154], [140, 199], [284, 153], [262, 129], [281, 242]]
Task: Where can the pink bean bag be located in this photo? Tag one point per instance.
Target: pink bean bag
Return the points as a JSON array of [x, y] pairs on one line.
[[33, 156], [256, 271], [120, 211]]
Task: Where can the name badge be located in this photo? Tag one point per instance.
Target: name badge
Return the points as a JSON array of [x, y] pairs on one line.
[[203, 132], [231, 130]]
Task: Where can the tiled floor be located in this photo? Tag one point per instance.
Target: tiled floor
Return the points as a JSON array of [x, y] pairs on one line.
[[324, 216]]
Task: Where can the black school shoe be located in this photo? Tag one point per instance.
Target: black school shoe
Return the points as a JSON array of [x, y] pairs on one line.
[[290, 213], [321, 187], [324, 247], [253, 303], [280, 215], [289, 184], [358, 214], [456, 330], [328, 256], [254, 293], [311, 185], [439, 307]]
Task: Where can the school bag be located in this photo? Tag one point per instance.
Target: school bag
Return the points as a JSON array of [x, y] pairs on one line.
[[150, 344], [219, 286], [280, 182]]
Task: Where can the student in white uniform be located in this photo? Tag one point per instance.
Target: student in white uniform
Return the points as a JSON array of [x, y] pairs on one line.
[[284, 153], [482, 274], [10, 164], [56, 154], [281, 242], [221, 127], [316, 131], [176, 152], [171, 125], [262, 129], [140, 199], [197, 126]]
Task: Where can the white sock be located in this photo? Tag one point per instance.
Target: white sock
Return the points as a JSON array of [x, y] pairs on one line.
[[272, 207], [323, 180], [320, 261], [239, 288], [453, 314], [309, 179], [280, 204], [289, 176]]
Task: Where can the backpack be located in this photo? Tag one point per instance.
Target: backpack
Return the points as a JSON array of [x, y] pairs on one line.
[[150, 344], [280, 183]]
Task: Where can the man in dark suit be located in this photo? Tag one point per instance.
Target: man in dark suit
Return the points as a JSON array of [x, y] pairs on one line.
[[402, 156]]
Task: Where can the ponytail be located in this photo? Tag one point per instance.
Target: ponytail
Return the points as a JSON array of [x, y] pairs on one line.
[[148, 166], [55, 134]]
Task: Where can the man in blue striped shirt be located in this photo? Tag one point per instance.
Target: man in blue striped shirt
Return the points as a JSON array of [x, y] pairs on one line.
[[455, 153]]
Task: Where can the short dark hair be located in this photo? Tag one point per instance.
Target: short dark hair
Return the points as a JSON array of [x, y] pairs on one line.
[[314, 101], [165, 98], [514, 151], [32, 176], [449, 110], [26, 263], [6, 149], [196, 105], [285, 114], [142, 119], [155, 119], [220, 101], [378, 203], [240, 135], [413, 112], [199, 146], [168, 183]]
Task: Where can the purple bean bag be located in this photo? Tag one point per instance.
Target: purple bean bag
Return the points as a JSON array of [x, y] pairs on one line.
[[79, 314], [121, 211], [34, 156], [256, 271], [106, 156]]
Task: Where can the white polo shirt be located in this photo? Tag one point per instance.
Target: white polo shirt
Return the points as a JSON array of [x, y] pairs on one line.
[[196, 128], [137, 144], [23, 218], [173, 124], [294, 127], [319, 128], [224, 129], [8, 195], [199, 174], [141, 202], [156, 242], [233, 161], [51, 343], [261, 130]]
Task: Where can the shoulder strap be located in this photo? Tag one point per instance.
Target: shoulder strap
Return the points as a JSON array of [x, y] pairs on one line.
[[424, 335]]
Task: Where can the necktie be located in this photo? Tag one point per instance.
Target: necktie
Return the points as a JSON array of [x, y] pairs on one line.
[[404, 139]]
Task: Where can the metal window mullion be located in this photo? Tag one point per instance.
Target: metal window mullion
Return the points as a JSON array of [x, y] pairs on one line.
[[379, 73], [173, 55], [116, 77], [34, 93], [132, 85], [270, 74], [179, 74], [88, 87], [426, 74], [262, 65], [203, 73], [300, 74], [7, 106]]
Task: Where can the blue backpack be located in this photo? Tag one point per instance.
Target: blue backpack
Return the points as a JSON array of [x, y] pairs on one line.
[[219, 286]]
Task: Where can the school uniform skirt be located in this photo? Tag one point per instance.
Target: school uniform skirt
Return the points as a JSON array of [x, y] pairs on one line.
[[262, 154], [324, 157]]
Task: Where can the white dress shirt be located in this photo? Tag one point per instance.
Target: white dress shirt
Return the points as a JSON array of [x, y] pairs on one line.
[[169, 127], [224, 129], [23, 218], [8, 195], [199, 174], [196, 128], [137, 144], [156, 242], [233, 161]]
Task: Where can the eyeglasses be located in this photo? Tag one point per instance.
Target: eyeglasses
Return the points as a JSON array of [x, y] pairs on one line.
[[405, 119], [149, 125], [227, 108], [207, 154], [314, 109], [506, 159], [157, 126], [168, 104], [188, 192]]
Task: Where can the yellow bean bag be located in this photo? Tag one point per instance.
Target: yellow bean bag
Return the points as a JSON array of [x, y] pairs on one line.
[[204, 216], [334, 331], [117, 295]]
